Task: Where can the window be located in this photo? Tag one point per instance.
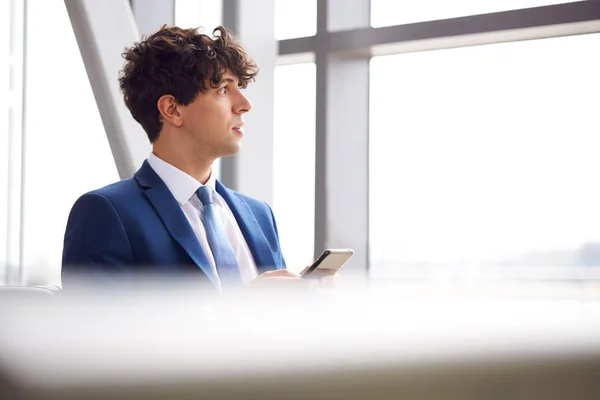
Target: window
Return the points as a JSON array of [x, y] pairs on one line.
[[199, 13], [295, 19], [486, 156], [393, 12], [6, 64], [294, 164], [66, 148], [11, 92]]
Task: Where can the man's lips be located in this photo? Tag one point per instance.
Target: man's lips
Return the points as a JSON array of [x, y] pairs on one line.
[[238, 128]]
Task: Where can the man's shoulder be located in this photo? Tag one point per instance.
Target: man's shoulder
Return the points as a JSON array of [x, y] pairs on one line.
[[251, 201], [116, 191]]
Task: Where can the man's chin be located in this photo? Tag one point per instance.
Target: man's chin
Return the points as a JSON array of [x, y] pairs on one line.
[[232, 150]]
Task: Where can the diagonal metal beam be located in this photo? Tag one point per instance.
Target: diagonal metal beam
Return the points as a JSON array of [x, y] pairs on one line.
[[103, 29]]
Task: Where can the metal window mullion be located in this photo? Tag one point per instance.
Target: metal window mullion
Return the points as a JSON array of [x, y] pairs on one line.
[[341, 181], [230, 165], [321, 114], [251, 171], [363, 40]]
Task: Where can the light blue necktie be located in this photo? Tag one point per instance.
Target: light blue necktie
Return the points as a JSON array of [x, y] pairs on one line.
[[227, 265]]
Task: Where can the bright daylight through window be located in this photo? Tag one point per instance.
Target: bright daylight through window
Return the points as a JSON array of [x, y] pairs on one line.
[[486, 156]]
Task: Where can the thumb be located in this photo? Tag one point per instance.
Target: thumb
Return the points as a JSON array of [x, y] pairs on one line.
[[304, 270]]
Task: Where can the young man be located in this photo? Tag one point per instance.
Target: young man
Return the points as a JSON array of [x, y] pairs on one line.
[[173, 217]]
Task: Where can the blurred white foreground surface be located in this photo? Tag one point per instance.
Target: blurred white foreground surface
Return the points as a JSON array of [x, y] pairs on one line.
[[350, 342]]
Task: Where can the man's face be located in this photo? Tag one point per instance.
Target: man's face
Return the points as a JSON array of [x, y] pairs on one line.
[[213, 121]]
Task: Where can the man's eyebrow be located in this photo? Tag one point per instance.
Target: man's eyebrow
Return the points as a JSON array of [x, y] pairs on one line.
[[228, 80]]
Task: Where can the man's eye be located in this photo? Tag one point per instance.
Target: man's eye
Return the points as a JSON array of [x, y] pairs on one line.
[[223, 90]]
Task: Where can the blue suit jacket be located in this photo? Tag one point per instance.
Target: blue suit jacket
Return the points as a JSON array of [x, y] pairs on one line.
[[136, 227]]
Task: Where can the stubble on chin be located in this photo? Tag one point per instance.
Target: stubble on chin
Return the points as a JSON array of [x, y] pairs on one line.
[[231, 150]]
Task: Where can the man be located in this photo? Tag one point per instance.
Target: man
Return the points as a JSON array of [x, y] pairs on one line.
[[173, 217]]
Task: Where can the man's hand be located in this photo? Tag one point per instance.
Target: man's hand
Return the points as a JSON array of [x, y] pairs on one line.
[[327, 278], [283, 279]]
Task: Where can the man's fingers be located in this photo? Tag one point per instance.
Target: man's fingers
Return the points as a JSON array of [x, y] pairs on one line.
[[283, 278], [304, 270], [320, 273], [279, 273]]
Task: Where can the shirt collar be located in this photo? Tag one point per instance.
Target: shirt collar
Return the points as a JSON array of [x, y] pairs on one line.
[[181, 185]]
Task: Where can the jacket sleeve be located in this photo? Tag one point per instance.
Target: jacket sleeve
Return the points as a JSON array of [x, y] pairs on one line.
[[281, 261], [96, 245]]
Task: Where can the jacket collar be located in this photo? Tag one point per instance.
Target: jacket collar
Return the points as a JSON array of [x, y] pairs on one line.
[[172, 216], [176, 223]]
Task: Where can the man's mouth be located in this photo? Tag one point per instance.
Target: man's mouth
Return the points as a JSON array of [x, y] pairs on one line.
[[238, 128]]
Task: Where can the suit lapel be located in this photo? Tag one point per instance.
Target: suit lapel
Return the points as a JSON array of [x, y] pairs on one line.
[[263, 255], [173, 218]]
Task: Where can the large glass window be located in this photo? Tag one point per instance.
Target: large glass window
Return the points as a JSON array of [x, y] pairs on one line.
[[394, 12], [11, 139], [66, 148], [294, 163], [486, 156], [199, 13], [5, 67], [295, 19]]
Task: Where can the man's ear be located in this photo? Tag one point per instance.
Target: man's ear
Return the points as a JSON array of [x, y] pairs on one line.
[[169, 108]]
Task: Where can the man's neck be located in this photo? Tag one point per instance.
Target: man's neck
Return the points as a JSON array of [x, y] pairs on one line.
[[196, 167]]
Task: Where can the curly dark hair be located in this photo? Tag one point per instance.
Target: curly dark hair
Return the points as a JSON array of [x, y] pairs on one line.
[[178, 62]]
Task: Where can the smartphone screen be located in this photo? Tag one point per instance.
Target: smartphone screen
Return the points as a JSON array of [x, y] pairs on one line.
[[331, 259]]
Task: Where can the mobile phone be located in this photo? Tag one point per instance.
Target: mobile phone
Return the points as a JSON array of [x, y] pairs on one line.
[[331, 259]]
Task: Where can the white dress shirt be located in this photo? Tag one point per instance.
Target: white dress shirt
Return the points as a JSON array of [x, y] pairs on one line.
[[183, 187]]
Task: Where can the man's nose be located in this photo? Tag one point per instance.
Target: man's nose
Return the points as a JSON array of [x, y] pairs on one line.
[[243, 105]]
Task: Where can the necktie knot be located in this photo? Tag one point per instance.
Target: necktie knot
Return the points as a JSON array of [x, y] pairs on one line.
[[205, 193]]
